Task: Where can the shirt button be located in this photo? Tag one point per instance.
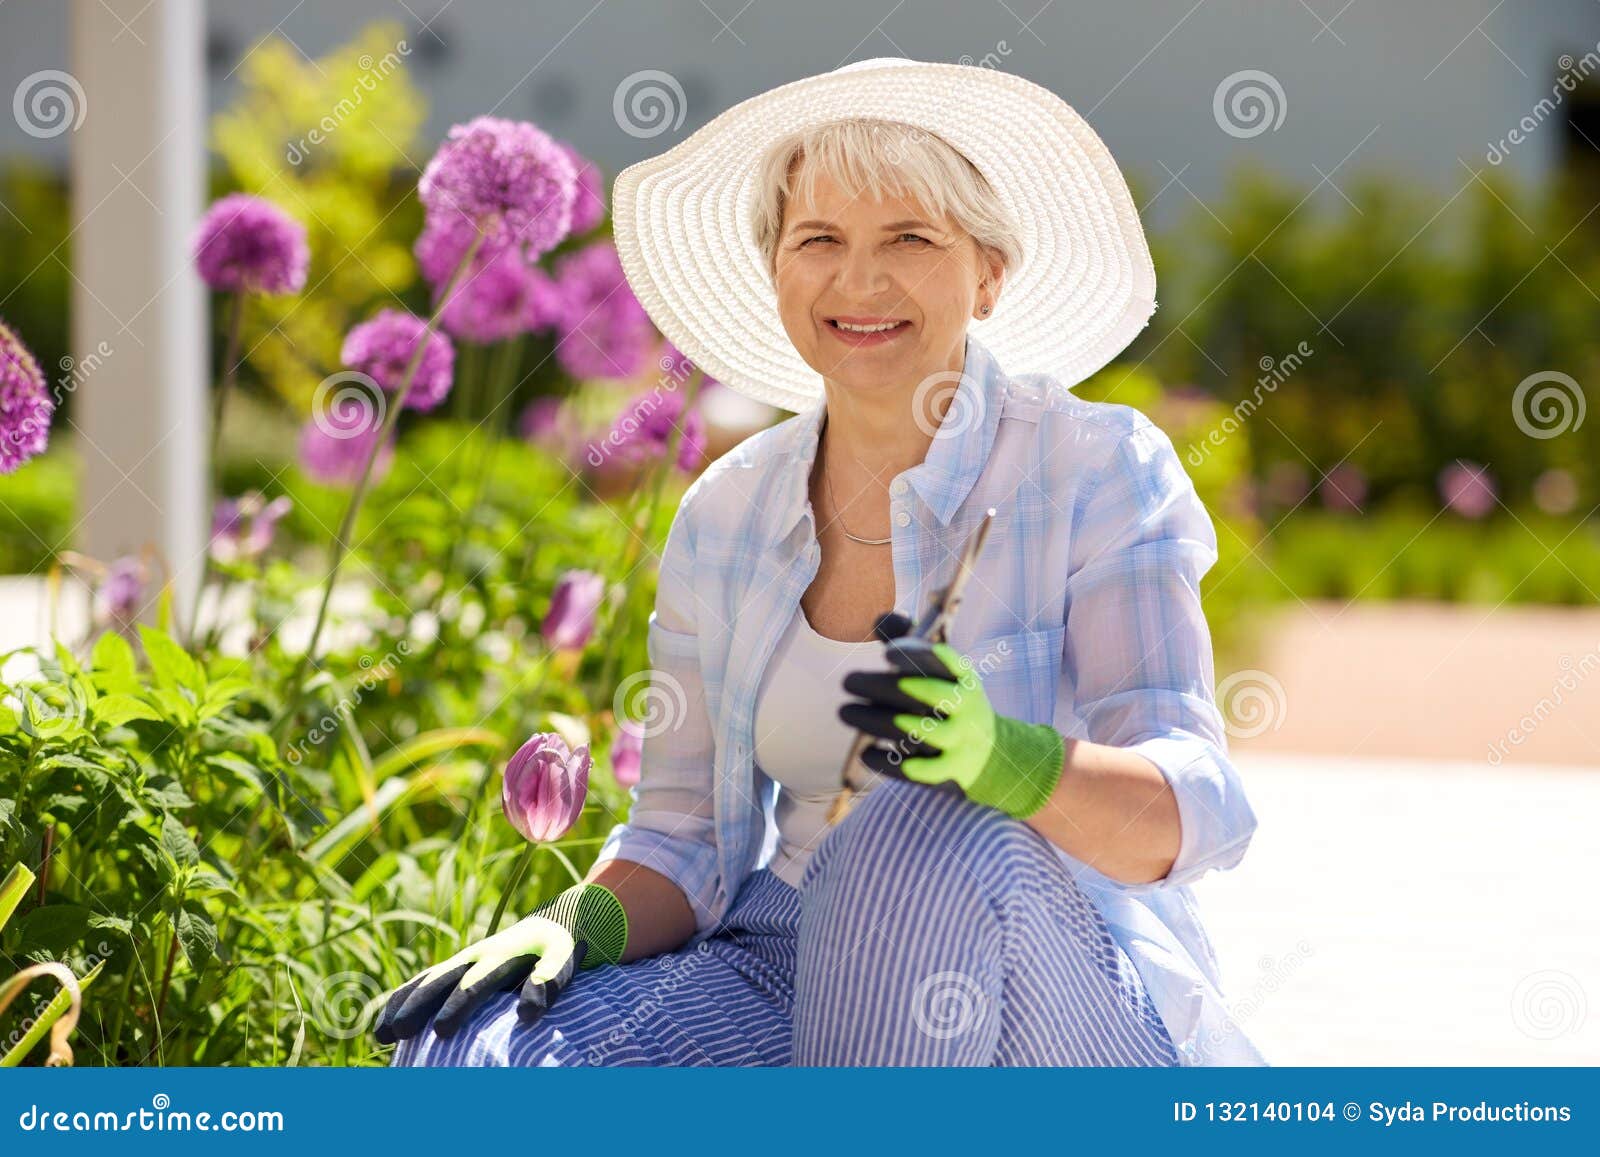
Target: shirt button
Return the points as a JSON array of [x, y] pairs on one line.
[[897, 487], [902, 519]]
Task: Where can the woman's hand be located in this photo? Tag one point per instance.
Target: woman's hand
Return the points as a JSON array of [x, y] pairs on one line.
[[943, 729], [540, 953]]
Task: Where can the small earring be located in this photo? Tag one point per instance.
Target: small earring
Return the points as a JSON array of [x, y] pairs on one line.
[[986, 309]]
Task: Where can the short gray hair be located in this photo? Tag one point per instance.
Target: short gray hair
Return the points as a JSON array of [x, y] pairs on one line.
[[877, 156]]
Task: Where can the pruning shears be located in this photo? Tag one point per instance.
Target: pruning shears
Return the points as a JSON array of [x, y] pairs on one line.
[[934, 626]]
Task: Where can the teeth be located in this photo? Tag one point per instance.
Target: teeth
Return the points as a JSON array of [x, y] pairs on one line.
[[866, 328]]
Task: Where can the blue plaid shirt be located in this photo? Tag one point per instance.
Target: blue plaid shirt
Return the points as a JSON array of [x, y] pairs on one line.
[[1084, 612]]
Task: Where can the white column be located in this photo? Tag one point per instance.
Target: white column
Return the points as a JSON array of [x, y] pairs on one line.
[[139, 329]]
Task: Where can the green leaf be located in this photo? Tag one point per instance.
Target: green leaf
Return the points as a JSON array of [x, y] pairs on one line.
[[63, 805], [175, 707], [223, 694], [172, 665], [163, 792], [121, 925], [116, 709], [113, 657], [196, 933], [177, 843], [15, 886], [55, 927]]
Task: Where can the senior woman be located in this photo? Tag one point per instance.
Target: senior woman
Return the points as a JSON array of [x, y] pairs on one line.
[[920, 259]]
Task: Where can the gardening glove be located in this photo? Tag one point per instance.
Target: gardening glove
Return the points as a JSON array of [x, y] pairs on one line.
[[585, 925], [942, 729]]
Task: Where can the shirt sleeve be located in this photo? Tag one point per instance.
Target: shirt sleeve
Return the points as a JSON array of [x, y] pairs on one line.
[[1139, 648], [671, 825]]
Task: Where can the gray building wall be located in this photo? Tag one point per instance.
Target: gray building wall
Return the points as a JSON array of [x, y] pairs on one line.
[[1410, 86]]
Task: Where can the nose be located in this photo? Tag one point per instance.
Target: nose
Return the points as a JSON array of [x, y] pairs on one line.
[[861, 275]]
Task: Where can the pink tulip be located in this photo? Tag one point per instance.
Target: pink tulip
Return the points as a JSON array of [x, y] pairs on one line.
[[627, 751], [544, 787], [570, 621]]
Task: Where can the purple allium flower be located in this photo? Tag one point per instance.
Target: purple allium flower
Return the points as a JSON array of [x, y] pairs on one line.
[[570, 621], [248, 243], [1467, 488], [440, 247], [497, 300], [627, 752], [382, 349], [1344, 488], [680, 366], [244, 527], [336, 457], [605, 332], [508, 179], [26, 406], [589, 202], [1555, 491], [544, 787], [119, 593], [644, 430]]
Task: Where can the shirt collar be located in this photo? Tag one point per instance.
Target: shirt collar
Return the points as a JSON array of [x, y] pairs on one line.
[[945, 477]]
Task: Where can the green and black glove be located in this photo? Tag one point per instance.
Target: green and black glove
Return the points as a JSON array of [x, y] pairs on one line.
[[585, 925], [943, 729]]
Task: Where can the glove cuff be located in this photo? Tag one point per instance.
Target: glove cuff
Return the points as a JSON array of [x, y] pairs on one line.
[[591, 912], [1023, 769]]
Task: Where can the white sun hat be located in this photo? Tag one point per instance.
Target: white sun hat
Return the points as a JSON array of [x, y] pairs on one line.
[[684, 224]]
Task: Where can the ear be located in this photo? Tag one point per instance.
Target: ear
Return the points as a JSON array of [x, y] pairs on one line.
[[990, 281]]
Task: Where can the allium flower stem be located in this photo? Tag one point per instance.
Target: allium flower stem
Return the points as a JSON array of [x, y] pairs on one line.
[[341, 542], [645, 515], [508, 359], [230, 372]]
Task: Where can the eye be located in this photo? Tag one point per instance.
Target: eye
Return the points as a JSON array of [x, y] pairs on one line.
[[915, 237], [817, 237]]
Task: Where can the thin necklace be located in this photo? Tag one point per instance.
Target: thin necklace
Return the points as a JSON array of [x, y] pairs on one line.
[[838, 514]]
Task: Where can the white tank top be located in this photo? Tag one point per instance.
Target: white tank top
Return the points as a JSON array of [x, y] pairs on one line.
[[800, 740]]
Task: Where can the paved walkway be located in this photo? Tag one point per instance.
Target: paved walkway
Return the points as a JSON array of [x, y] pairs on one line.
[[1400, 912]]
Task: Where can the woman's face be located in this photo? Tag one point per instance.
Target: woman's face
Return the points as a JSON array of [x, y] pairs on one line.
[[870, 262]]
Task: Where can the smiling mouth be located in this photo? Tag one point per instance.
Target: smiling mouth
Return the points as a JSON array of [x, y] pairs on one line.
[[866, 328]]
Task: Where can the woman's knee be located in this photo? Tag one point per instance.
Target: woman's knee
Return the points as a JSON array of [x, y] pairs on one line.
[[900, 823]]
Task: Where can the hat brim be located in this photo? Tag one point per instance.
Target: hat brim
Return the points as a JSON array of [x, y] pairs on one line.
[[684, 224]]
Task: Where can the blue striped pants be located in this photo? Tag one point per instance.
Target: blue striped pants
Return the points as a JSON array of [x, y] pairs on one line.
[[927, 930]]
